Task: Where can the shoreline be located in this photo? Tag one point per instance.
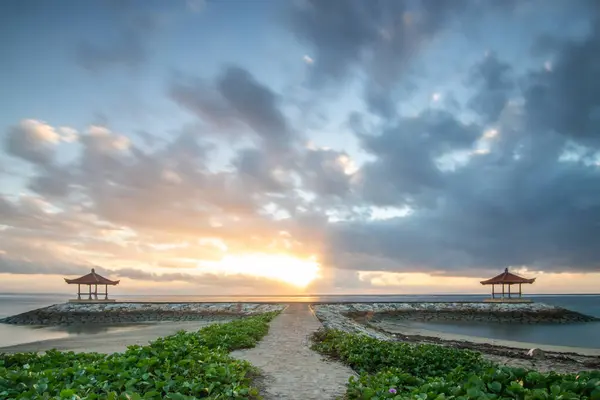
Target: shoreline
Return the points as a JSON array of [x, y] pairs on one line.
[[427, 334], [365, 318], [362, 319], [110, 342]]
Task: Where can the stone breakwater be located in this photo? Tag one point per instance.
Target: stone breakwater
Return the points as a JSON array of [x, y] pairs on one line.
[[115, 313], [333, 317], [348, 317]]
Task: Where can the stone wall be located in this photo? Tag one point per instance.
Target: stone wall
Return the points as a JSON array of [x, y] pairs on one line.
[[485, 312], [331, 318], [115, 313]]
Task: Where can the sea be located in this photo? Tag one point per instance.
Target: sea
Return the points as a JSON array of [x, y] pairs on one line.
[[575, 334]]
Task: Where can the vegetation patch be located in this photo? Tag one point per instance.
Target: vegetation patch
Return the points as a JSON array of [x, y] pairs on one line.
[[395, 370], [181, 366]]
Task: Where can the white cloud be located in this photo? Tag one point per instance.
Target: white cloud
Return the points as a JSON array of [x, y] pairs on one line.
[[68, 134], [32, 140], [103, 140]]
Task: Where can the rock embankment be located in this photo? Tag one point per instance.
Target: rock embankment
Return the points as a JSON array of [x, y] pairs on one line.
[[115, 313], [530, 313], [332, 317]]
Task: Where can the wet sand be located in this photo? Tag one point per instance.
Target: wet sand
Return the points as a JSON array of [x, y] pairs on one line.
[[110, 342]]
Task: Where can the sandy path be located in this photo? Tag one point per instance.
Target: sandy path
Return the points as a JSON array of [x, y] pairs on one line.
[[109, 342], [292, 370]]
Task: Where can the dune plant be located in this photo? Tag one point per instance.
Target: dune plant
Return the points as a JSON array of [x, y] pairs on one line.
[[395, 370], [186, 365]]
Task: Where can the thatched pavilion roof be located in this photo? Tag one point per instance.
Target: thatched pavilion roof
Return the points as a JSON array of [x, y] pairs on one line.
[[507, 278], [91, 279]]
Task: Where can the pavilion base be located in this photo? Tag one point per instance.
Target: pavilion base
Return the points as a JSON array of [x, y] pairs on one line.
[[508, 300], [88, 301]]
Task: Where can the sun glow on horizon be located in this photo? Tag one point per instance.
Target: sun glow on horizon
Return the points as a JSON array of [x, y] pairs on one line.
[[282, 267]]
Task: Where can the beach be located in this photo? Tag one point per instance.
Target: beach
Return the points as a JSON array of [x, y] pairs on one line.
[[108, 327], [110, 342], [289, 368], [523, 335]]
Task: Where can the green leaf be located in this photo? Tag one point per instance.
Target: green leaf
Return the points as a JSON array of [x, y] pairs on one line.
[[495, 386], [67, 393]]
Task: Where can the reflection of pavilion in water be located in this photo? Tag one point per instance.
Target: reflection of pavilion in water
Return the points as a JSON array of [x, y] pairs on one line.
[[92, 279]]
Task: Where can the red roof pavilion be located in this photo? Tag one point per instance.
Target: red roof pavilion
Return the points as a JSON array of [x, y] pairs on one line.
[[92, 279], [509, 279]]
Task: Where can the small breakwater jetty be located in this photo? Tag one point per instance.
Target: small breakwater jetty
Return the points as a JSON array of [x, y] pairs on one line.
[[350, 317], [115, 313], [332, 315]]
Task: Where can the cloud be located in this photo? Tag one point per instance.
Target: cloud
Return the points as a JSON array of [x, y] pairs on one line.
[[24, 267], [32, 140], [205, 101], [52, 181], [566, 98], [234, 102], [493, 77], [405, 171], [420, 186], [256, 105], [257, 171], [68, 134], [326, 172], [379, 38], [521, 203], [239, 281], [337, 46]]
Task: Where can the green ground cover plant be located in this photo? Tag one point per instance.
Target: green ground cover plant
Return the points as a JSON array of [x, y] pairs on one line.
[[395, 370], [187, 365]]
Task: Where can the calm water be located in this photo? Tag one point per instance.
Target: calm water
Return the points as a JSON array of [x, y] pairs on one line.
[[583, 335]]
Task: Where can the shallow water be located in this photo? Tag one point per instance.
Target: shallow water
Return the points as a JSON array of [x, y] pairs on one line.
[[575, 334], [583, 335]]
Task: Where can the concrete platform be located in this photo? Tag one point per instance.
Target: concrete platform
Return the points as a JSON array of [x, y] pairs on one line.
[[507, 300], [92, 301]]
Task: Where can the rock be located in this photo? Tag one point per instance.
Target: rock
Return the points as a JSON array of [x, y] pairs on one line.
[[535, 353], [76, 313]]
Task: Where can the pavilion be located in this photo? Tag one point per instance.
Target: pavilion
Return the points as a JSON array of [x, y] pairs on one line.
[[92, 279], [507, 279]]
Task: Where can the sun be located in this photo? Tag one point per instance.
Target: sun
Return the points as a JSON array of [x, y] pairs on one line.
[[282, 267]]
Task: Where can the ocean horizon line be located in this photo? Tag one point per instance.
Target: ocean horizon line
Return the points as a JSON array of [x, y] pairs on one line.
[[304, 295]]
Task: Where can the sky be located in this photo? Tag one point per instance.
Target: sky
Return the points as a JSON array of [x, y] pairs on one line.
[[302, 146]]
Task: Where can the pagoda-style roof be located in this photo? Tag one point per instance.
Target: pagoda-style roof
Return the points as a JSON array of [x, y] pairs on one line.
[[507, 278], [91, 279]]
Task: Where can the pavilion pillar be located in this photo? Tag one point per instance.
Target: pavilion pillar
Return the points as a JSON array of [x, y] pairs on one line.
[[520, 293], [493, 294], [78, 291], [90, 289], [105, 292], [503, 290], [509, 290], [96, 291]]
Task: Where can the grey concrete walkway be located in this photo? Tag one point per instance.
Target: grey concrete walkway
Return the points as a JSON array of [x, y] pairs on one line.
[[291, 369]]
